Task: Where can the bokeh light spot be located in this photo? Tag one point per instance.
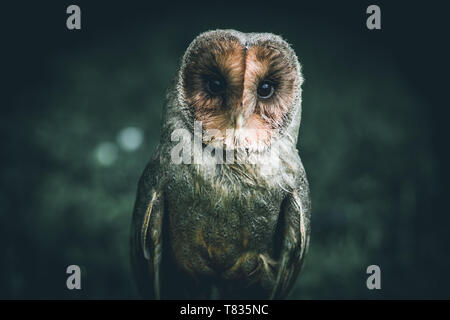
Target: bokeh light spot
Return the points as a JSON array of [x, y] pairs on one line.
[[130, 138], [106, 153]]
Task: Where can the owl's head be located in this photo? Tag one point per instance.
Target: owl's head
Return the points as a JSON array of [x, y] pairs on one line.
[[247, 84]]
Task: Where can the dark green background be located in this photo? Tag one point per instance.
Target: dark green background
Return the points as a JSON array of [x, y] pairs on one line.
[[373, 139]]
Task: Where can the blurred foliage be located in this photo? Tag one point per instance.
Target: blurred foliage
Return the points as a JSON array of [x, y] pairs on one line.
[[364, 140]]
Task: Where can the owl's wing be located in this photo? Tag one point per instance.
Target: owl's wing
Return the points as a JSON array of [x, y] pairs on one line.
[[295, 213], [146, 233]]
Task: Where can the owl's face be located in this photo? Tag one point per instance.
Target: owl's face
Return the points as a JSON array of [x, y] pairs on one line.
[[243, 83]]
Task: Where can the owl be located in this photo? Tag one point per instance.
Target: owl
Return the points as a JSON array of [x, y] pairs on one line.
[[234, 228]]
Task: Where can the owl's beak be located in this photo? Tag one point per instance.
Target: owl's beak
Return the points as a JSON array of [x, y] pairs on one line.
[[239, 121]]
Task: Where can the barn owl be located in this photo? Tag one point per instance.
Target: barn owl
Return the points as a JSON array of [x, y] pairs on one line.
[[226, 229]]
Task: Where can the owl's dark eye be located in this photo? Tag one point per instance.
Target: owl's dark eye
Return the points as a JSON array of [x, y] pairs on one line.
[[266, 89], [215, 85]]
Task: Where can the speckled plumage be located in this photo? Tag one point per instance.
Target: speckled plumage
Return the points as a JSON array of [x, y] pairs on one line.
[[242, 229]]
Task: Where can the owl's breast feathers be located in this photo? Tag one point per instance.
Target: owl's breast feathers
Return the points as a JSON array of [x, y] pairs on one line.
[[224, 218]]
